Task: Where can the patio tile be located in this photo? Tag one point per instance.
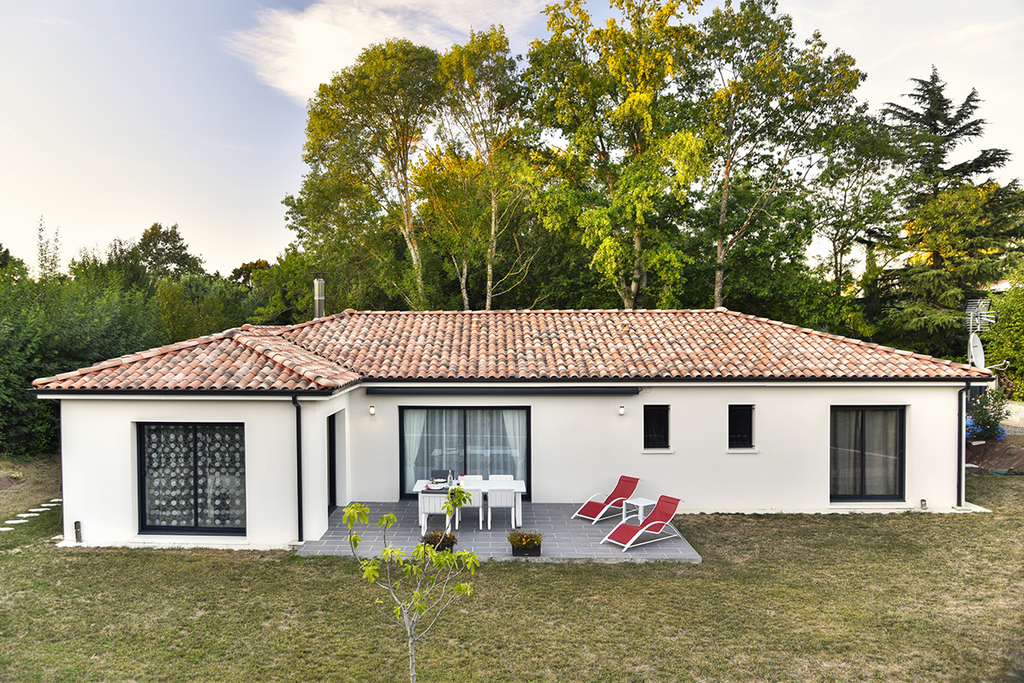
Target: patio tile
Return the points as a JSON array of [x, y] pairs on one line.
[[565, 539]]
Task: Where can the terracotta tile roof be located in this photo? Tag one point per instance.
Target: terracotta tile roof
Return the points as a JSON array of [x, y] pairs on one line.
[[517, 345]]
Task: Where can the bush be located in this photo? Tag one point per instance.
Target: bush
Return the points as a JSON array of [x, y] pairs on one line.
[[984, 415]]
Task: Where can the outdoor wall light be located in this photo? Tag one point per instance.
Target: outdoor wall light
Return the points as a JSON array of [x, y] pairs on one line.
[[373, 410], [622, 410]]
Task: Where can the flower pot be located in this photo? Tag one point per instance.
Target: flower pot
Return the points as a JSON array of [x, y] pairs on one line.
[[519, 551]]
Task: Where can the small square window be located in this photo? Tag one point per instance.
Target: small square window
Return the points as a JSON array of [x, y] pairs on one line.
[[655, 426], [741, 426]]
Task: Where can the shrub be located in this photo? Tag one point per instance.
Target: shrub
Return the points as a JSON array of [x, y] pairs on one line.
[[984, 415]]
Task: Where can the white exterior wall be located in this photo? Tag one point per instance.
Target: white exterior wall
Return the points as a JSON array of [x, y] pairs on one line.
[[579, 446], [101, 471]]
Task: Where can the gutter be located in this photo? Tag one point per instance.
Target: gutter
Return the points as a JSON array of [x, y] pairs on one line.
[[298, 459], [962, 433]]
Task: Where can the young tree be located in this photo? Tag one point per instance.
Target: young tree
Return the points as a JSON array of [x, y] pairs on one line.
[[608, 93], [765, 106], [365, 130], [421, 585]]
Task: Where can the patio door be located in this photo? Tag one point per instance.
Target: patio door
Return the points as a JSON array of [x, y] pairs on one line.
[[482, 441]]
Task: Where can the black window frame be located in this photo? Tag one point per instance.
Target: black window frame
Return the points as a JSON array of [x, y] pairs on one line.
[[196, 530], [741, 426], [900, 495], [657, 434], [401, 440]]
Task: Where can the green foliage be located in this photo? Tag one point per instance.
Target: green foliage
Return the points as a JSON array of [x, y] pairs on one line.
[[195, 305], [420, 585], [608, 93], [54, 325], [365, 130], [954, 236], [163, 253], [766, 109], [1004, 342]]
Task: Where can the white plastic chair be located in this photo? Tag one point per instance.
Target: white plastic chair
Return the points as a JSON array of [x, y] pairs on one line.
[[476, 498], [501, 477], [431, 504], [501, 498]]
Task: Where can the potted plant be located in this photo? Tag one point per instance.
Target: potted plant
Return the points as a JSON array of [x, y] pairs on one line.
[[525, 543], [439, 540]]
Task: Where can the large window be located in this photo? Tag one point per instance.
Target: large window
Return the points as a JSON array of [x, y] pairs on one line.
[[481, 441], [655, 426], [741, 426], [867, 454], [192, 478]]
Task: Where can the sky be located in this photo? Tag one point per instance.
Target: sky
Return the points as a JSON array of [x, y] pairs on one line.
[[115, 115]]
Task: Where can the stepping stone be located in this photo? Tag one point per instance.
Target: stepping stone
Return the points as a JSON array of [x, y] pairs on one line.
[[6, 528], [38, 509], [49, 505], [28, 514], [58, 537], [56, 500], [16, 521]]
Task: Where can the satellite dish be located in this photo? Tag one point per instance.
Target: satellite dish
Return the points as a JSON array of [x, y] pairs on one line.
[[977, 352]]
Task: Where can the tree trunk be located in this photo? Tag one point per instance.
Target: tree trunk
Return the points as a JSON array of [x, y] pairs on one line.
[[412, 659], [492, 248]]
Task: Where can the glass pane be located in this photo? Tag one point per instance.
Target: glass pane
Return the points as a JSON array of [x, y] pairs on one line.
[[220, 483], [433, 441], [846, 453], [167, 460], [881, 452], [655, 426], [741, 426], [496, 442]]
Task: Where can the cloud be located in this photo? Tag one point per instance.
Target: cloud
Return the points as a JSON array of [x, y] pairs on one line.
[[295, 51]]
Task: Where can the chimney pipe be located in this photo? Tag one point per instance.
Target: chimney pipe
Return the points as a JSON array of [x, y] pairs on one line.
[[319, 298]]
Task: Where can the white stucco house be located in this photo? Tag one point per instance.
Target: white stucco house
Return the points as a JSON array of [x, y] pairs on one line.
[[250, 437]]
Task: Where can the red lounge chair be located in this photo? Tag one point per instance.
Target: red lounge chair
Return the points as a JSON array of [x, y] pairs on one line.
[[596, 511], [658, 523]]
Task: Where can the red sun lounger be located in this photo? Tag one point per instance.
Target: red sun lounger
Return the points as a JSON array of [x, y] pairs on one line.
[[596, 511], [657, 525]]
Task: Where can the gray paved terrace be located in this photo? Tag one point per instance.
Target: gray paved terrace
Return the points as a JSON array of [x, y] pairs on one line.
[[565, 539]]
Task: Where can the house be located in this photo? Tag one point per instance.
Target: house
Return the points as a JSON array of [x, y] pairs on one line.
[[248, 438]]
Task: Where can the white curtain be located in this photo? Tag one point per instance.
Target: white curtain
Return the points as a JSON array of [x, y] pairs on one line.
[[515, 435], [415, 420], [846, 453]]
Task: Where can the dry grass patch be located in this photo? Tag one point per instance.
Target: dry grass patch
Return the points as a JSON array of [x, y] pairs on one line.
[[39, 481]]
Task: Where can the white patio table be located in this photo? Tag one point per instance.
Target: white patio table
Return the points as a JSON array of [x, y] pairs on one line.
[[517, 485]]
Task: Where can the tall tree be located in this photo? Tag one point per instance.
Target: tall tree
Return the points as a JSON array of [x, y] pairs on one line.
[[164, 253], [608, 93], [766, 106], [958, 232], [364, 132], [483, 113]]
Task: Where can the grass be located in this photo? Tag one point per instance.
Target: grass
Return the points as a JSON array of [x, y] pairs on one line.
[[909, 597]]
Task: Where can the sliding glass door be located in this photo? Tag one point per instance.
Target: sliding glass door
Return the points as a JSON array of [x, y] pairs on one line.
[[482, 441]]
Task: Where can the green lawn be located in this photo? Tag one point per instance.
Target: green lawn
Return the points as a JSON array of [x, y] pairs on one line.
[[910, 597]]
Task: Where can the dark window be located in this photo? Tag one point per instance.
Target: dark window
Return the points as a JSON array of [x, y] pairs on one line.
[[867, 453], [741, 426], [482, 441], [655, 426], [192, 478]]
